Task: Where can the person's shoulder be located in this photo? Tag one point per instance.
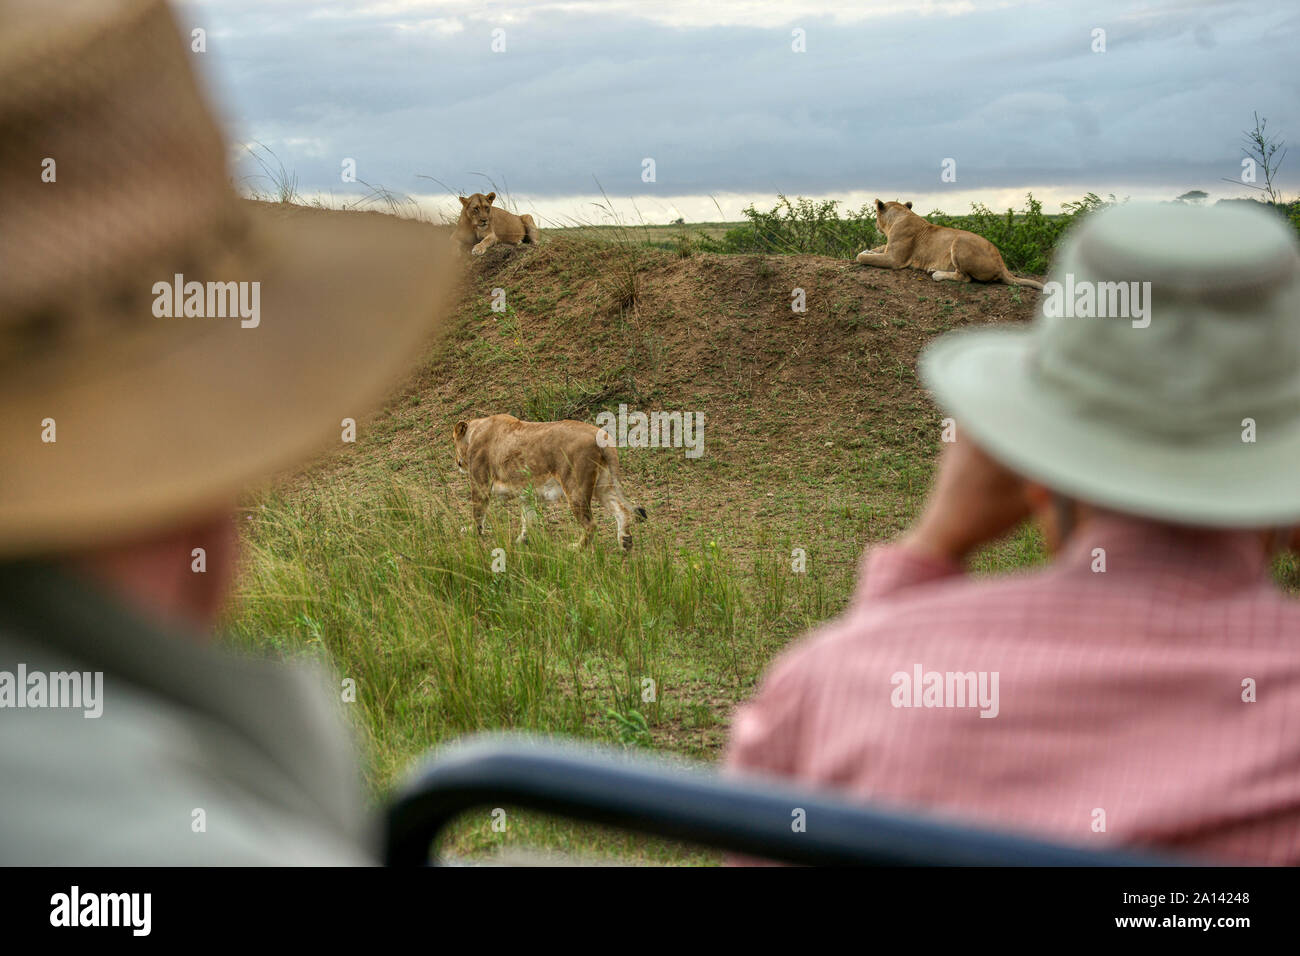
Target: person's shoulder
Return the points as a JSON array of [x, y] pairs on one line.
[[131, 777], [962, 607], [141, 788], [821, 651]]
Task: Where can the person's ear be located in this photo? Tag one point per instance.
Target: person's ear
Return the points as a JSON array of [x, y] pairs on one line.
[[1056, 515], [908, 204], [459, 430], [1038, 496]]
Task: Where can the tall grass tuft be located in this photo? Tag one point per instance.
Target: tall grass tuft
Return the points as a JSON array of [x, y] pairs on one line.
[[395, 592], [283, 182]]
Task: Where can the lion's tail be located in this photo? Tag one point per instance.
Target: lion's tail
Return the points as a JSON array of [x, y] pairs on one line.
[[530, 228], [1009, 279], [610, 456]]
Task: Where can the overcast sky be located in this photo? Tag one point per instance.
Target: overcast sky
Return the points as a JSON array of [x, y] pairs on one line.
[[715, 94]]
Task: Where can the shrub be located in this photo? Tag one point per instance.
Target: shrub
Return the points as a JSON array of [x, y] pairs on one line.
[[801, 226], [1293, 213]]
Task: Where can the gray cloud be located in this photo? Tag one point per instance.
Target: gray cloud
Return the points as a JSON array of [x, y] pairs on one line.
[[1013, 93]]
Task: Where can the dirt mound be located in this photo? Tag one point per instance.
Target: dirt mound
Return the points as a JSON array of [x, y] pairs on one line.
[[824, 400], [590, 324]]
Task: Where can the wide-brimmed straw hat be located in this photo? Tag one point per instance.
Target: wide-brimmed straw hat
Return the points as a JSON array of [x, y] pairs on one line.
[[1184, 406], [114, 184]]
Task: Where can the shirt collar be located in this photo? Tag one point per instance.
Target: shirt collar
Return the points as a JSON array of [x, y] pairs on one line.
[[1224, 557]]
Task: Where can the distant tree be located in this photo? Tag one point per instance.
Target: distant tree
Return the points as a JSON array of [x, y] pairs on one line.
[[1263, 150], [1193, 196], [679, 221]]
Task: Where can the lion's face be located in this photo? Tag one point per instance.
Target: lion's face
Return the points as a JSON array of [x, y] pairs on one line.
[[460, 437], [479, 209]]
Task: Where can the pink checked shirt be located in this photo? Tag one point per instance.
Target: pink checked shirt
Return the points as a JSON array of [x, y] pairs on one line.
[[1119, 696]]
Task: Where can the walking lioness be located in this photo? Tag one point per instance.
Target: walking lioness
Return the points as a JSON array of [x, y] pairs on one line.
[[506, 457], [482, 225], [946, 253]]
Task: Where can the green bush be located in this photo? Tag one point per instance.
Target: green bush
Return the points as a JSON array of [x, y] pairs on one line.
[[801, 226]]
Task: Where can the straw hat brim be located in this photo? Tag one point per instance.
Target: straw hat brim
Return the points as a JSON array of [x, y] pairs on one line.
[[985, 379], [150, 432]]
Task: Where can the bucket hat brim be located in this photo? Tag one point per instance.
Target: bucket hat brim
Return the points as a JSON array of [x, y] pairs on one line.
[[986, 379], [150, 432]]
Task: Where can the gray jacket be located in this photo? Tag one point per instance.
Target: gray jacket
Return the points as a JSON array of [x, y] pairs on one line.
[[198, 755]]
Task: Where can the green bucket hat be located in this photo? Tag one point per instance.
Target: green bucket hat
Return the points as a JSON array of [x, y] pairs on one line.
[[1161, 377]]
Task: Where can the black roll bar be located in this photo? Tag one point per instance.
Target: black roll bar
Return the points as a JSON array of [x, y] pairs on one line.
[[748, 815]]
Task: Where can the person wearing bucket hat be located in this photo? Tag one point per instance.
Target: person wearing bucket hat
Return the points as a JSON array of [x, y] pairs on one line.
[[1142, 688], [163, 344]]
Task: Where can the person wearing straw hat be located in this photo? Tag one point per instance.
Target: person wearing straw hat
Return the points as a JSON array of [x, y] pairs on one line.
[[1143, 688], [163, 345]]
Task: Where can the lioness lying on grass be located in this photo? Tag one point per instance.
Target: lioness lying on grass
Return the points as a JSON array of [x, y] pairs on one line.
[[508, 458], [482, 225], [946, 253]]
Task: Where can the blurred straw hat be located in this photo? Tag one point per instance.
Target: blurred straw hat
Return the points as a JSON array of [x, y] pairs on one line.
[[1191, 413], [114, 180]]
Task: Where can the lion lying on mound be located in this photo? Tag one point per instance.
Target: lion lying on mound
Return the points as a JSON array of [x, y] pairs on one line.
[[506, 457], [912, 242], [483, 225]]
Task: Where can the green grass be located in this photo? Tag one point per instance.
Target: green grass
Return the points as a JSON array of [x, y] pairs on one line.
[[395, 594], [390, 589]]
